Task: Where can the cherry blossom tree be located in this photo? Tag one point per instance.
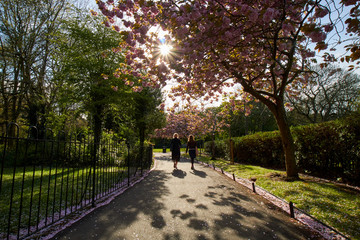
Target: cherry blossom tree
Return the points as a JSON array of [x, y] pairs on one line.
[[263, 45], [189, 121], [353, 29]]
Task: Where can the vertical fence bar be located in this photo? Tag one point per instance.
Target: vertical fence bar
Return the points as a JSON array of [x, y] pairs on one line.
[[102, 164], [106, 175], [3, 161], [57, 159], [291, 206], [61, 189], [49, 181], [14, 172], [68, 158], [128, 162], [67, 189], [41, 160], [33, 179], [253, 187], [54, 195], [39, 201], [74, 162], [27, 140], [78, 171], [94, 174], [63, 156], [22, 187], [72, 189]]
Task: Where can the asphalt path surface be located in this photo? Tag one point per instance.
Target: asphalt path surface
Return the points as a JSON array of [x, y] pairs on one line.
[[187, 204]]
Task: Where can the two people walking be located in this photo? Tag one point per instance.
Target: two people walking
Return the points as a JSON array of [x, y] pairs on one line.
[[175, 146]]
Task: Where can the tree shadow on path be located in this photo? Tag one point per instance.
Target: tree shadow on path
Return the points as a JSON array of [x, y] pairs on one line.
[[145, 199]]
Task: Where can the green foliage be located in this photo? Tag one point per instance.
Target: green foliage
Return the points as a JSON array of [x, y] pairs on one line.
[[263, 148], [221, 148], [330, 150]]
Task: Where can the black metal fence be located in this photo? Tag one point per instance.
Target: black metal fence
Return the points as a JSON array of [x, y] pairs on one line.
[[44, 179]]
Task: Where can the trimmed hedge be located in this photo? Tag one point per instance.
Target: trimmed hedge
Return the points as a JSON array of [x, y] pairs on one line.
[[263, 149], [330, 150]]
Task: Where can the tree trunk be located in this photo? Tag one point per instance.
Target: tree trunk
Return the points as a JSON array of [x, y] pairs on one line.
[[287, 142]]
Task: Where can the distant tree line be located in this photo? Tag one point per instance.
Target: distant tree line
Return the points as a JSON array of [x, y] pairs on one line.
[[57, 65]]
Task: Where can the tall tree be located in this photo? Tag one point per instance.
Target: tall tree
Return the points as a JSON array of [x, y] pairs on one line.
[[89, 55], [331, 93], [261, 45], [25, 43]]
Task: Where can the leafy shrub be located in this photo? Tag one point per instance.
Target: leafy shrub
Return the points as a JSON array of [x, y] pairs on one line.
[[330, 150], [221, 148], [263, 148]]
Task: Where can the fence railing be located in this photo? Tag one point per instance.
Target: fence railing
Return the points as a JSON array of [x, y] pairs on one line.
[[44, 179]]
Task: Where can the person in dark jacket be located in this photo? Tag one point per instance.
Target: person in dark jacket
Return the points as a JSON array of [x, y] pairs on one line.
[[192, 148], [175, 149]]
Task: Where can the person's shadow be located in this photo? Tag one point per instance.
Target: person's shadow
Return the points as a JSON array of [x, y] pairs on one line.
[[179, 173], [199, 173]]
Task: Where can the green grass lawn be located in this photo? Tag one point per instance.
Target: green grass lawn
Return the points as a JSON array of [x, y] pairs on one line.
[[60, 188], [334, 204], [160, 150]]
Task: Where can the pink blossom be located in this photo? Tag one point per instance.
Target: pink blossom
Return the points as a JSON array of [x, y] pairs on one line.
[[269, 15], [115, 88], [245, 8], [195, 15], [127, 23], [116, 28], [122, 6], [119, 14], [129, 3], [107, 24], [321, 12], [349, 2], [181, 20], [317, 36], [202, 28], [129, 83], [154, 10], [309, 54], [287, 27], [328, 28], [162, 67], [137, 89], [226, 20], [93, 13], [143, 30], [253, 15], [101, 5], [283, 46]]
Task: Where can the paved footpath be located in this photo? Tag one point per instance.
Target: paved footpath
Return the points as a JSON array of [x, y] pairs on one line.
[[186, 204]]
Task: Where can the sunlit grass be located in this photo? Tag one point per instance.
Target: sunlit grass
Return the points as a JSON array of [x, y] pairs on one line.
[[335, 205], [47, 192], [160, 150]]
